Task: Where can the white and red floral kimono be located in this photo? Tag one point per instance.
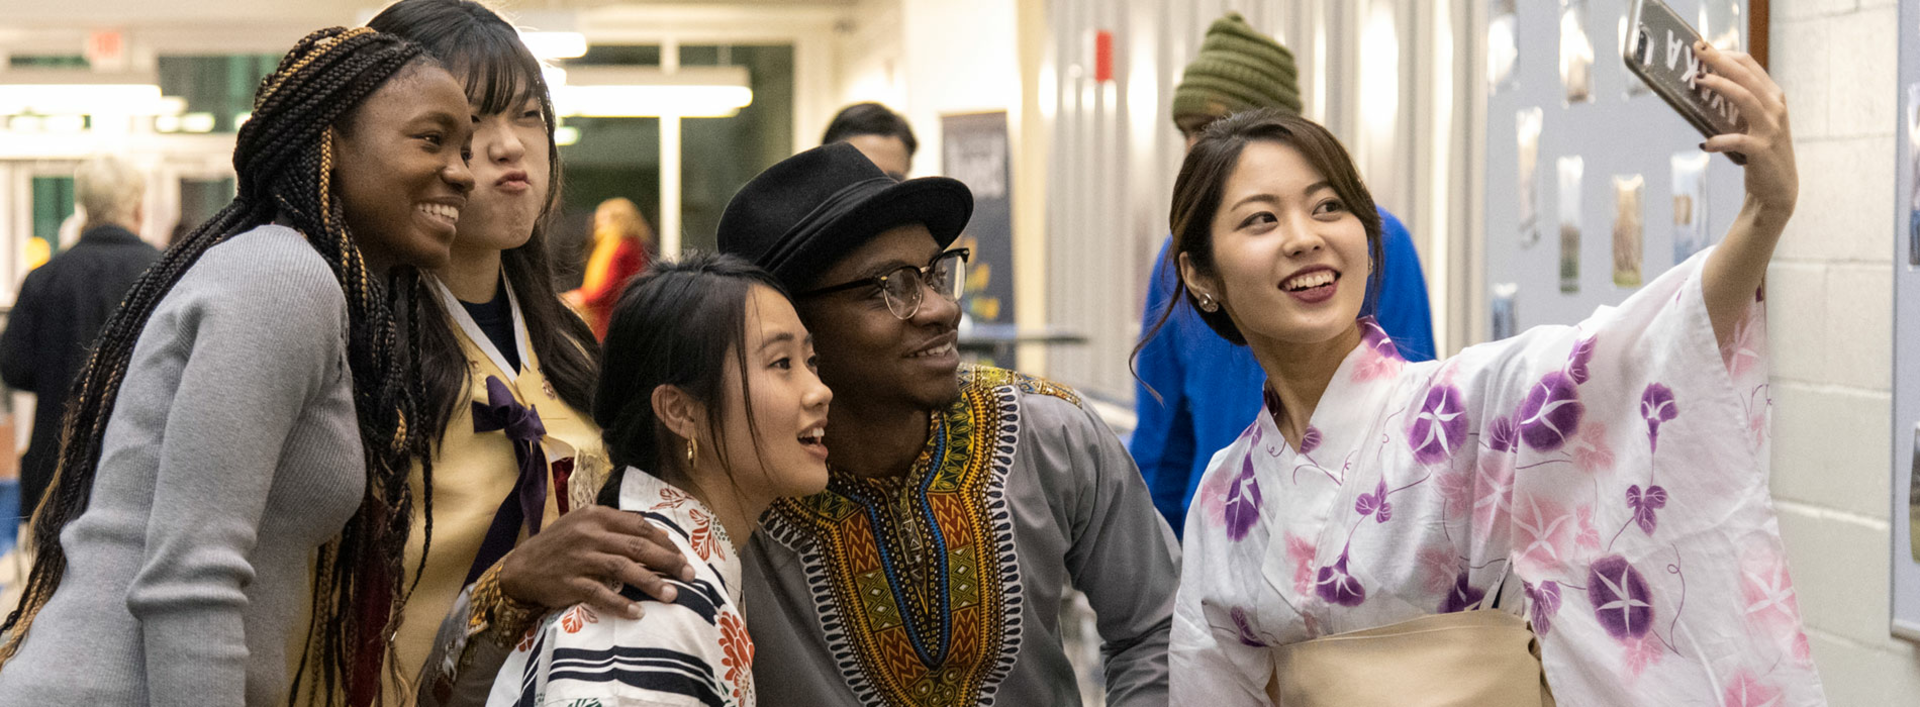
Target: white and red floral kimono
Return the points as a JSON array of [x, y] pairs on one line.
[[694, 651], [1608, 479]]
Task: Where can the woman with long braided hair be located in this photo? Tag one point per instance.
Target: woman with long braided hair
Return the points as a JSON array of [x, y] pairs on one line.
[[247, 410], [508, 375]]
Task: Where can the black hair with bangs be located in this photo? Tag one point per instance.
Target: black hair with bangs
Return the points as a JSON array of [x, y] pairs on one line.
[[482, 49], [678, 324]]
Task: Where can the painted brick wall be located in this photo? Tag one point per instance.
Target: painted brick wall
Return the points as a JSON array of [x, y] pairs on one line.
[[1831, 320]]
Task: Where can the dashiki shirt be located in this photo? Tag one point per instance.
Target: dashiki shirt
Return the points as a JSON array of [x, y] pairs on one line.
[[944, 585], [694, 651], [1609, 478]]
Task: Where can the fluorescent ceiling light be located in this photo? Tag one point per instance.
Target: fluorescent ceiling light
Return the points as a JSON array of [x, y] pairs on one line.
[[636, 92], [50, 99], [638, 101], [566, 135], [555, 45]]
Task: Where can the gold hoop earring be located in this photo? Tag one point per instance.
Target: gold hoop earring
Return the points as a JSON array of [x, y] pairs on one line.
[[1207, 304], [693, 452]]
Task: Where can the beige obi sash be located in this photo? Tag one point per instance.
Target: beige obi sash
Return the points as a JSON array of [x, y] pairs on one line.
[[1483, 658]]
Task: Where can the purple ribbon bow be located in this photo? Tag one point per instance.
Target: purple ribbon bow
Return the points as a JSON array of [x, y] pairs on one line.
[[528, 502]]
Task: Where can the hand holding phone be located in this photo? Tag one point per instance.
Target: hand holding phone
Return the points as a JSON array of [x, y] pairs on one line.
[[1660, 50]]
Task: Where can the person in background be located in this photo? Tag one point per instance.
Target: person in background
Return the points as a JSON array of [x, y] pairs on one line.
[[63, 304], [877, 132], [1194, 391], [245, 413], [622, 245], [961, 502], [509, 375]]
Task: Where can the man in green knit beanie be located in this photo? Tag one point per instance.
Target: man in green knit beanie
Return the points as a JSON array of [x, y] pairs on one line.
[[1238, 68], [1207, 388]]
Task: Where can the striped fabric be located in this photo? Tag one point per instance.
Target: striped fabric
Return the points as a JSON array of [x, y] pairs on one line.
[[694, 651]]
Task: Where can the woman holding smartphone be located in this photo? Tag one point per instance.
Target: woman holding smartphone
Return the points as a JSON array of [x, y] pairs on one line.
[[1579, 512]]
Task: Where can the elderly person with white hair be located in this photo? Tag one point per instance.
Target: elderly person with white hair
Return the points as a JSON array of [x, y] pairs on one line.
[[63, 304]]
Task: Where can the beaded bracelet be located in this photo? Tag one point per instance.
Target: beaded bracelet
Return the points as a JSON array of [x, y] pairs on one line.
[[496, 613]]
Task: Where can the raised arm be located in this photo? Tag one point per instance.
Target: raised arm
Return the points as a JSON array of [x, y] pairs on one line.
[[1735, 271]]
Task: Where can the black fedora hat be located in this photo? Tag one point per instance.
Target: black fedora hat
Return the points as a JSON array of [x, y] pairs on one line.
[[809, 210]]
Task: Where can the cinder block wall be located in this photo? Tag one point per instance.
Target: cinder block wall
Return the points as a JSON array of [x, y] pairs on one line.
[[1831, 318]]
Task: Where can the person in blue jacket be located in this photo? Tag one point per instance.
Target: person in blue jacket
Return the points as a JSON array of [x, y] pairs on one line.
[[1195, 392]]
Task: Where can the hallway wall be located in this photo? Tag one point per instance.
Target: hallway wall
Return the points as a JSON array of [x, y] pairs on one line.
[[1830, 298]]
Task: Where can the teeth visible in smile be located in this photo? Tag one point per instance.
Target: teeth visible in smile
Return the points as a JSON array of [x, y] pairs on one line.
[[1309, 280], [813, 436], [941, 350], [442, 211]]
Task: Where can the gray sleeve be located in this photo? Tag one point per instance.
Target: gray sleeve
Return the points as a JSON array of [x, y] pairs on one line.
[[260, 340], [1123, 556]]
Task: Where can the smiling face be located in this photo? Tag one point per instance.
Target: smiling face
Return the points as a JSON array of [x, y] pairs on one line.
[[1289, 257], [868, 352], [781, 453], [510, 166], [400, 170]]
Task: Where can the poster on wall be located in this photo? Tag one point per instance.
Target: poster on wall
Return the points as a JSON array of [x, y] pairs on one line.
[[1571, 169], [1503, 45], [1689, 204], [1576, 52], [1527, 125], [1635, 87], [1627, 230], [974, 150], [1505, 320], [1913, 198]]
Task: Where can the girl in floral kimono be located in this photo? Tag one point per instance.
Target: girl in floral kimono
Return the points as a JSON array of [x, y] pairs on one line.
[[712, 410], [1606, 480]]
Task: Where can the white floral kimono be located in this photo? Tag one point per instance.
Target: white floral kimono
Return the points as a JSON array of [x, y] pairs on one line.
[[1609, 479], [693, 652]]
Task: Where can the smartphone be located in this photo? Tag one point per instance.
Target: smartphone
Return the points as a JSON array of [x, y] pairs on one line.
[[1659, 50]]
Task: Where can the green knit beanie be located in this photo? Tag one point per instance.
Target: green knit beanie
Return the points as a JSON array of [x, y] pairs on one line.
[[1238, 68]]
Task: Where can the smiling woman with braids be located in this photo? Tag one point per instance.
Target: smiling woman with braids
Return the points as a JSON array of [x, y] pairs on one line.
[[248, 406]]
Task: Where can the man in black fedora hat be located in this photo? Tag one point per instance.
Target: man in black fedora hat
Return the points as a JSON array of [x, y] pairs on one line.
[[963, 500]]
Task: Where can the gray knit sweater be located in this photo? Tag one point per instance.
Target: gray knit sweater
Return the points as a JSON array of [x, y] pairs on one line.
[[233, 452]]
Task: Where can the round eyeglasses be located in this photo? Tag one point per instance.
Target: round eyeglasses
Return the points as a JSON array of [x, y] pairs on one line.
[[905, 287]]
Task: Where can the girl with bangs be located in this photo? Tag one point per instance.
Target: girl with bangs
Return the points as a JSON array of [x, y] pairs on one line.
[[508, 374], [1579, 513]]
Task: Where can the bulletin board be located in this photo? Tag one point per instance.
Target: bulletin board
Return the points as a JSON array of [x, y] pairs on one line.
[[1905, 477], [1586, 170]]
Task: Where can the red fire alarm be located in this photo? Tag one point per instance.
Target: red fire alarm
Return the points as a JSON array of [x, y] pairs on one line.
[[1103, 56]]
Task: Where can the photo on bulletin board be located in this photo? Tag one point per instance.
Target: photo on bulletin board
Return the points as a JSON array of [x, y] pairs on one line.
[[1505, 323], [1527, 125], [1503, 45], [1913, 159], [1635, 87], [1628, 234], [1576, 52], [1571, 168], [1689, 204]]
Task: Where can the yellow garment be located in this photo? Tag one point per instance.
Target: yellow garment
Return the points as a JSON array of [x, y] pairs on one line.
[[606, 242], [472, 474]]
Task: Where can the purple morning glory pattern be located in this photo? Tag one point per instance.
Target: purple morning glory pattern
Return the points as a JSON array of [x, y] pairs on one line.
[[1657, 406], [1528, 462], [1543, 602], [1439, 427], [1620, 596], [1336, 585], [1551, 413], [1243, 501]]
